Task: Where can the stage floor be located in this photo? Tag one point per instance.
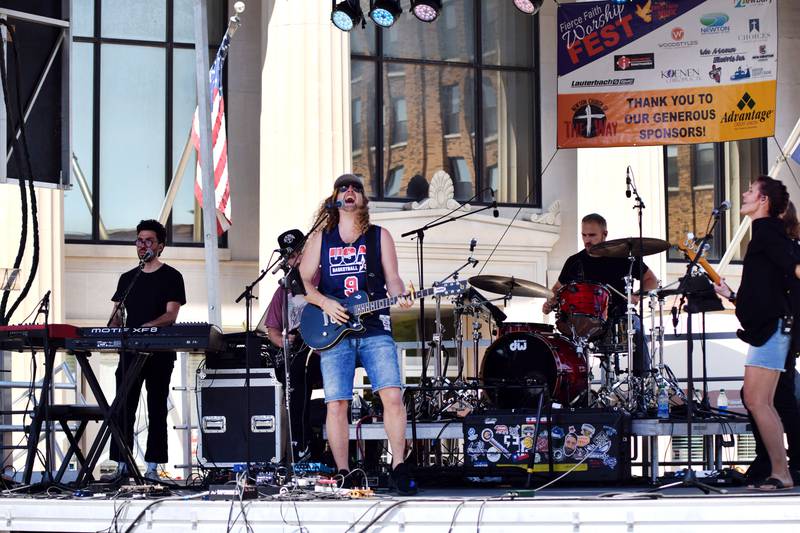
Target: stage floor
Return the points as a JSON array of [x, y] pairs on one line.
[[569, 509]]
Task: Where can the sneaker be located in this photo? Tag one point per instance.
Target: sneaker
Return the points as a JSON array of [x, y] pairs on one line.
[[403, 481], [152, 474], [116, 476]]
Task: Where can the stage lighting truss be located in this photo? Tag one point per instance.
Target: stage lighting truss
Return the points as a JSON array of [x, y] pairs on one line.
[[529, 7], [426, 10], [384, 13], [347, 14]]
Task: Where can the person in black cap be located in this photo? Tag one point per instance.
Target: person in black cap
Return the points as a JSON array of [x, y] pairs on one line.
[[304, 368], [350, 255]]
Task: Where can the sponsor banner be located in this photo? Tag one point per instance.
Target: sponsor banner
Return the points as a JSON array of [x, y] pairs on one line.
[[651, 50], [669, 116]]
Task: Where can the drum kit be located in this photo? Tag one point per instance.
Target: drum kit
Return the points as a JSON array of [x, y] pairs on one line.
[[524, 357]]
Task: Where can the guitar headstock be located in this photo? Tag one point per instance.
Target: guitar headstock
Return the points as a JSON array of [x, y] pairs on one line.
[[450, 288]]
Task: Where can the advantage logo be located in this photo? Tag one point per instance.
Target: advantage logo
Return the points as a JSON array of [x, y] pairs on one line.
[[746, 113], [745, 3]]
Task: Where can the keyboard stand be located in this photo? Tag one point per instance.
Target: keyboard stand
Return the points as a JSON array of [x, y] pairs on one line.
[[109, 428]]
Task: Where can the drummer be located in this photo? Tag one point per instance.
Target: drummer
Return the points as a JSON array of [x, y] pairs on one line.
[[610, 271]]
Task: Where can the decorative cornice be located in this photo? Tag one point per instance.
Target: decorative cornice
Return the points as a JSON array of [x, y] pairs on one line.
[[552, 217], [441, 195]]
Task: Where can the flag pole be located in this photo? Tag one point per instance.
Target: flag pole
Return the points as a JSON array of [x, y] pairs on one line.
[[177, 178], [789, 147], [207, 162]]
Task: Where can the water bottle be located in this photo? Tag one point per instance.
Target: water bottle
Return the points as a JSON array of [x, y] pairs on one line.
[[663, 402], [722, 400], [355, 408]]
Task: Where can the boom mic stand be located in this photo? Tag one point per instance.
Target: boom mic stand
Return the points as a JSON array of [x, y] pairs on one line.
[[696, 290], [248, 296]]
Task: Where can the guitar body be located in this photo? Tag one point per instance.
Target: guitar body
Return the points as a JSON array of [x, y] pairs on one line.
[[320, 333]]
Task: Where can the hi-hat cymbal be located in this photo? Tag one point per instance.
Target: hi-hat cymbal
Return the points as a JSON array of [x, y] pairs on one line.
[[510, 286], [629, 246]]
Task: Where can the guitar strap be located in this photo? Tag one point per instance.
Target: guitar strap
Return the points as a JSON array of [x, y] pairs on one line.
[[373, 256]]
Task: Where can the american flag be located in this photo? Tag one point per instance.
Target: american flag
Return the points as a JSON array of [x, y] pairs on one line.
[[219, 142]]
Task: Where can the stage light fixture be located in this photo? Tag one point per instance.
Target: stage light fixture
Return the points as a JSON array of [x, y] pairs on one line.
[[384, 13], [529, 7], [426, 10], [347, 14]]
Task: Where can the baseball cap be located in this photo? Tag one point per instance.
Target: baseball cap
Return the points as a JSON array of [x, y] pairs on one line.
[[288, 241]]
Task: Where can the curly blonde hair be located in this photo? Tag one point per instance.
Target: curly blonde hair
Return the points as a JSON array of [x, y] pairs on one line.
[[332, 214]]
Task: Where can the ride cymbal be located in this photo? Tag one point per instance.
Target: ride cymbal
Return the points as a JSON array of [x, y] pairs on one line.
[[629, 246], [510, 286]]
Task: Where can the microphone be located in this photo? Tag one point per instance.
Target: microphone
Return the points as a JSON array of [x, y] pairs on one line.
[[724, 206], [472, 244], [674, 312], [333, 205], [628, 182], [495, 212], [148, 256]]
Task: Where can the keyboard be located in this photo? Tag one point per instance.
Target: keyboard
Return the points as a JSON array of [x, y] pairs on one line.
[[20, 337], [187, 337]]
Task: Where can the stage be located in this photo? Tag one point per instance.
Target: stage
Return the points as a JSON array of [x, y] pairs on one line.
[[489, 509]]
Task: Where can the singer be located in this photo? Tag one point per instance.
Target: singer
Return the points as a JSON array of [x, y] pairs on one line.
[[154, 300], [352, 255]]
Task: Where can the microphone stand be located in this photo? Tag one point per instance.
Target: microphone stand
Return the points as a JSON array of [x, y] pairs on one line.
[[689, 477], [248, 296], [639, 207], [420, 233], [123, 354]]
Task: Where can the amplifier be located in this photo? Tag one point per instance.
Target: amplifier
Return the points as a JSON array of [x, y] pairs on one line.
[[593, 442], [225, 424]]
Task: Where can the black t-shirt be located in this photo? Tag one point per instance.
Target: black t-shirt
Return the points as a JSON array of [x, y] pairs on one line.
[[151, 292], [607, 270]]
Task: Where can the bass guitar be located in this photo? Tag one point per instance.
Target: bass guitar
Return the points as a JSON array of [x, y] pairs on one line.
[[321, 333]]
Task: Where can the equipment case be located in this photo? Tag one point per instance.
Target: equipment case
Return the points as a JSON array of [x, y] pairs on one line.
[[224, 421]]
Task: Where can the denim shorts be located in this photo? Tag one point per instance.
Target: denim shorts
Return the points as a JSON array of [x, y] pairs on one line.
[[772, 354], [377, 354]]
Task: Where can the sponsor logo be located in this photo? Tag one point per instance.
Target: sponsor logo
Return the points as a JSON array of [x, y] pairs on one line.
[[678, 35], [618, 82], [740, 74], [715, 73], [589, 120], [714, 23], [759, 72], [634, 62], [680, 75], [645, 12], [722, 55], [745, 3], [746, 113], [763, 53], [754, 32], [664, 9]]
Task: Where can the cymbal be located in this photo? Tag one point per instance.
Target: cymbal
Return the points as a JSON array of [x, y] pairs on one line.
[[510, 286], [622, 247]]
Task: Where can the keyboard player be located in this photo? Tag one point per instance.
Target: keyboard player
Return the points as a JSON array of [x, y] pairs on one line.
[[154, 299]]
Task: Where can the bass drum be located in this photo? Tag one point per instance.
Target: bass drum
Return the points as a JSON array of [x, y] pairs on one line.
[[524, 358]]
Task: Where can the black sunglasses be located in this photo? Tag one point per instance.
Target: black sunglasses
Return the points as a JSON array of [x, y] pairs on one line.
[[355, 186]]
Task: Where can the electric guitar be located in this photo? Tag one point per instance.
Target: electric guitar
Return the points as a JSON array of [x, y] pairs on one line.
[[321, 333]]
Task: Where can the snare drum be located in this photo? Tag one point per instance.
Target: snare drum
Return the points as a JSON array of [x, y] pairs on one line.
[[583, 309]]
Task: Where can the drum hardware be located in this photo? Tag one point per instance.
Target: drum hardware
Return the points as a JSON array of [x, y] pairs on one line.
[[510, 286]]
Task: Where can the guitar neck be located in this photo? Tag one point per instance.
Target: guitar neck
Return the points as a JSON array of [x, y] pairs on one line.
[[376, 305], [712, 274]]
